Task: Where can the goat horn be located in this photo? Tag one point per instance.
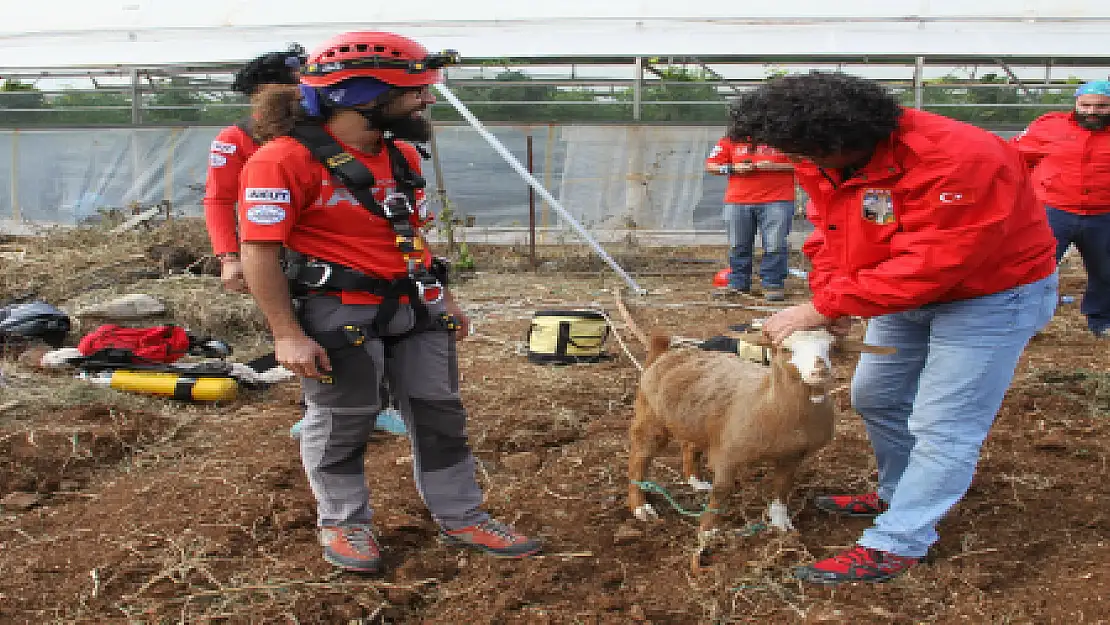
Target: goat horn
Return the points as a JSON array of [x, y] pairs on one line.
[[853, 345], [756, 338]]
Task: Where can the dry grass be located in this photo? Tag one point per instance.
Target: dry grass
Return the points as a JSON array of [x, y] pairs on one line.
[[201, 513]]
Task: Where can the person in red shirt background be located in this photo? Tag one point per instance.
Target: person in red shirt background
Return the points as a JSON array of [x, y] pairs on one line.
[[230, 150], [366, 307], [759, 198], [1069, 154], [929, 228]]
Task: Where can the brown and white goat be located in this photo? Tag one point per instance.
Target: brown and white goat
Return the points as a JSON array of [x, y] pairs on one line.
[[738, 412]]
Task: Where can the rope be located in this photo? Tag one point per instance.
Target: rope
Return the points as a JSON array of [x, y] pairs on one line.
[[620, 340], [652, 487]]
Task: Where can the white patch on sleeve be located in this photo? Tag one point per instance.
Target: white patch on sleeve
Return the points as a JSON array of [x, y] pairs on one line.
[[422, 211], [715, 151], [266, 214], [223, 148], [217, 160], [259, 194]]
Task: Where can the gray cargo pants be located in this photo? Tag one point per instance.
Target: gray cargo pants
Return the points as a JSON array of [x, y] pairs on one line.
[[422, 371]]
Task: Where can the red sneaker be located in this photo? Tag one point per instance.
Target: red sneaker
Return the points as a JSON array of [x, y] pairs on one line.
[[860, 564], [351, 548], [852, 505], [493, 538]]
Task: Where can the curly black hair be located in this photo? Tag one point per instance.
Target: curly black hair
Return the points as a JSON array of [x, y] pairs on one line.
[[272, 68], [815, 114]]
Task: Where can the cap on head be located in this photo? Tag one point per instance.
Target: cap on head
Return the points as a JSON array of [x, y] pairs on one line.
[[391, 58], [1095, 87]]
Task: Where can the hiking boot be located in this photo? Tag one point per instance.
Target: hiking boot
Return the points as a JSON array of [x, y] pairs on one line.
[[774, 294], [351, 548], [494, 538], [852, 505], [859, 564]]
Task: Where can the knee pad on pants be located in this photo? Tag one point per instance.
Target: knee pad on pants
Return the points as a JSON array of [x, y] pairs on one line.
[[439, 432]]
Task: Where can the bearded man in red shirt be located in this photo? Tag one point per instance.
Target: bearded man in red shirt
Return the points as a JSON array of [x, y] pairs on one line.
[[1069, 155], [331, 210], [928, 228]]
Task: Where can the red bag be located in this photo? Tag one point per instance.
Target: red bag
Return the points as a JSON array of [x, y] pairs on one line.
[[163, 344]]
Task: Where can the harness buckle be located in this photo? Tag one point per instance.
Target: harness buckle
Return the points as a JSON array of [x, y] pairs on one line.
[[432, 289], [395, 206], [355, 335], [324, 276]]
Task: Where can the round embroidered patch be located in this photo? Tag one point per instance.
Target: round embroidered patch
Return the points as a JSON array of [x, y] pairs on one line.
[[266, 214]]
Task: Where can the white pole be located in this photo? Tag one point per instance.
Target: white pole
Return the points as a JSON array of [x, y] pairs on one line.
[[530, 179]]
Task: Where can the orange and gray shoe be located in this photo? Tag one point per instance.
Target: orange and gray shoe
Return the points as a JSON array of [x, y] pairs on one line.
[[351, 548], [494, 538]]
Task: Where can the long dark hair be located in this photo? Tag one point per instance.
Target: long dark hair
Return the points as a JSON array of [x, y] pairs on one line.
[[276, 109], [272, 68]]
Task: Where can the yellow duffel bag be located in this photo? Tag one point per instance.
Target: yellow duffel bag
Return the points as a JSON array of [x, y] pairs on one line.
[[567, 336]]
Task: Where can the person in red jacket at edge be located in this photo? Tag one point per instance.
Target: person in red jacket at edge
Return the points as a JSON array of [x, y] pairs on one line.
[[929, 229], [357, 296], [230, 150], [1069, 153]]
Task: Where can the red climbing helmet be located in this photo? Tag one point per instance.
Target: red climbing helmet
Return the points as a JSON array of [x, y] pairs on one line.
[[720, 279], [388, 57]]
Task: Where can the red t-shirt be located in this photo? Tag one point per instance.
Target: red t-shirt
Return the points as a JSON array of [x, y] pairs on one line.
[[756, 187], [288, 197], [229, 152]]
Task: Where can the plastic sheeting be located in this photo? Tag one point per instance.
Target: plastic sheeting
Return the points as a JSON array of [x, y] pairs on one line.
[[606, 176], [148, 32], [66, 176]]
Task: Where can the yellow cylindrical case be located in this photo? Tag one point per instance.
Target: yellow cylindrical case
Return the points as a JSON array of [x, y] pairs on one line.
[[175, 385]]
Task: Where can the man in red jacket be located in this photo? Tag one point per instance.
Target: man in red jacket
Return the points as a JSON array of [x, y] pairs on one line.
[[1069, 153], [929, 228], [230, 150]]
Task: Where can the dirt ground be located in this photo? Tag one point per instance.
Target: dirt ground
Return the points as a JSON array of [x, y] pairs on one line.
[[138, 510]]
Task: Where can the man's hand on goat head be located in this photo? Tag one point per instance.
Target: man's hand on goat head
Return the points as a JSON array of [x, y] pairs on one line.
[[786, 322]]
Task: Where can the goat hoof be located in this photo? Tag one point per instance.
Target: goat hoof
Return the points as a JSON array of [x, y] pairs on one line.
[[646, 513], [779, 517], [699, 485], [702, 561]]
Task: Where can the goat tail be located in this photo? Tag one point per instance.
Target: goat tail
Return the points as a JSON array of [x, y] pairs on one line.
[[660, 343]]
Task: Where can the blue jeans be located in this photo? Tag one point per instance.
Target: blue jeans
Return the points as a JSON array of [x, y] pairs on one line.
[[772, 220], [929, 407], [1091, 236]]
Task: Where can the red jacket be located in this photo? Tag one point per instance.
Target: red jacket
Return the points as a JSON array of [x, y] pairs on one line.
[[230, 151], [943, 211], [1071, 165]]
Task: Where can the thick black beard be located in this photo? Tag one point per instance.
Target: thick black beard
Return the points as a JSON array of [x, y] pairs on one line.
[[409, 127], [1092, 121]]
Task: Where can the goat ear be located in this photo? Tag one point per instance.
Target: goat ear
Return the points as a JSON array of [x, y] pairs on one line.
[[853, 345], [756, 338]]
